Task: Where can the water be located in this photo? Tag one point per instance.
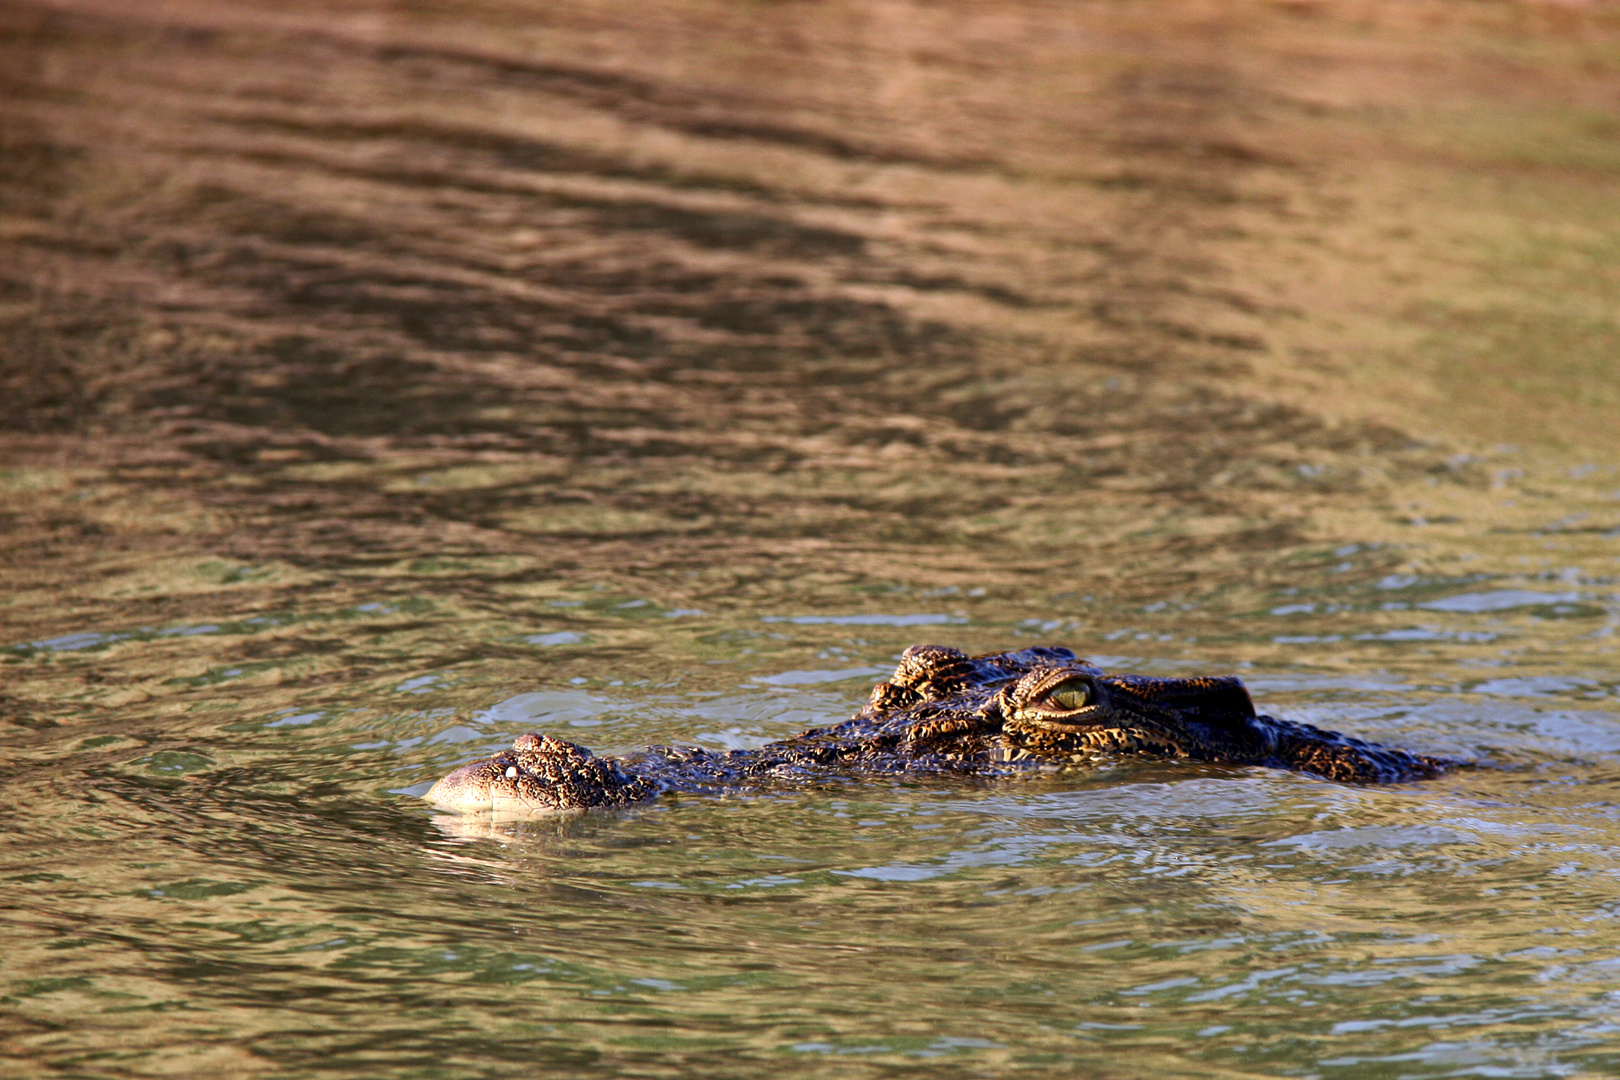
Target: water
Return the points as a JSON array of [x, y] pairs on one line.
[[383, 382]]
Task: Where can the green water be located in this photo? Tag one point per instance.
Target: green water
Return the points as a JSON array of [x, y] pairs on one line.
[[384, 381], [253, 884]]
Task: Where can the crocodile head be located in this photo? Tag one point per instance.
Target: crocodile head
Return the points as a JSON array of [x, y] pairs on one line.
[[944, 710]]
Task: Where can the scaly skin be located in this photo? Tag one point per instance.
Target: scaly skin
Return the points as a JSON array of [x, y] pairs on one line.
[[947, 712]]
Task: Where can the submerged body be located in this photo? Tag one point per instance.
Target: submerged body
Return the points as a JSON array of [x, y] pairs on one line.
[[946, 712]]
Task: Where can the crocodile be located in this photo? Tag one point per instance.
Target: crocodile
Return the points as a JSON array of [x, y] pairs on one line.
[[945, 712]]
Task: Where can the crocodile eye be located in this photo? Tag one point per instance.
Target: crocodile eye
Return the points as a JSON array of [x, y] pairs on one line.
[[1070, 696]]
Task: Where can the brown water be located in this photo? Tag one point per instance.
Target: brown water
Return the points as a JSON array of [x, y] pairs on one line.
[[382, 380]]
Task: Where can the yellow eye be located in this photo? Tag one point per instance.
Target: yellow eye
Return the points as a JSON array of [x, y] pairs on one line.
[[1070, 697]]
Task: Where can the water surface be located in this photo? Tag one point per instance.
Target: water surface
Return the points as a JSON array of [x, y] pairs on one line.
[[382, 381]]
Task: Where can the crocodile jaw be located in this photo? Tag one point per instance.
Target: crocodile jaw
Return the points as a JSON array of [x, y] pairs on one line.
[[539, 775]]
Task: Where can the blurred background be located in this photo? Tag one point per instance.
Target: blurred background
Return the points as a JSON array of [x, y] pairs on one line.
[[379, 380]]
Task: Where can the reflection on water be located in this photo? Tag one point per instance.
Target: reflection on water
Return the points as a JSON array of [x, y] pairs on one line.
[[379, 382]]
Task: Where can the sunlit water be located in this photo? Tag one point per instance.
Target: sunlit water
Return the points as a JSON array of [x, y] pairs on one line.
[[382, 389]]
